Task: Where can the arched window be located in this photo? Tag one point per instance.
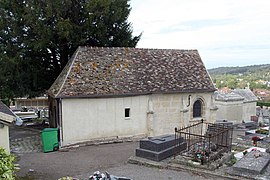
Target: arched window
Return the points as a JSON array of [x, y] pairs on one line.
[[197, 109]]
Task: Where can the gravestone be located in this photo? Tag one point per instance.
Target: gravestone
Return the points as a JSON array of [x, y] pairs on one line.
[[160, 147], [255, 162], [250, 124], [220, 133], [254, 119]]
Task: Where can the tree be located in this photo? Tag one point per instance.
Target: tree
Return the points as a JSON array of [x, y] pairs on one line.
[[37, 38], [231, 83]]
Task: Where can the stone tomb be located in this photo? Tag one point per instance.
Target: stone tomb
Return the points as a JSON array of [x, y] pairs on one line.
[[255, 162], [160, 147]]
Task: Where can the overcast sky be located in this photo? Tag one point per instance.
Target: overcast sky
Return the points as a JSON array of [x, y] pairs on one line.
[[225, 32]]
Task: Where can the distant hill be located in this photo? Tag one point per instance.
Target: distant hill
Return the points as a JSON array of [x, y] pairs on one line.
[[254, 77], [257, 69]]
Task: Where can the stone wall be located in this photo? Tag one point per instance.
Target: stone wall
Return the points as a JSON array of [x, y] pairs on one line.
[[235, 111], [230, 110], [249, 109], [176, 110]]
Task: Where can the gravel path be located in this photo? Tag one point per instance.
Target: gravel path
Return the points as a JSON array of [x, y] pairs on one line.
[[83, 161]]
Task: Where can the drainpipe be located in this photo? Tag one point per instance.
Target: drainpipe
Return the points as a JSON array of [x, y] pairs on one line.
[[60, 123], [188, 100]]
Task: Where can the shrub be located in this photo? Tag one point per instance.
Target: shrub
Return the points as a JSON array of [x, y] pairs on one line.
[[232, 161], [260, 103], [7, 166], [262, 131]]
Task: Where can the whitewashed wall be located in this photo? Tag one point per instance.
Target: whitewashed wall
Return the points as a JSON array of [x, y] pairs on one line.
[[151, 115], [87, 119], [4, 138]]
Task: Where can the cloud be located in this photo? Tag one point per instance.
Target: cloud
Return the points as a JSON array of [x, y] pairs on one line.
[[194, 25], [224, 31]]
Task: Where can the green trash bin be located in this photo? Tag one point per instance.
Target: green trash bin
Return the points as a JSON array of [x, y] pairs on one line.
[[49, 137]]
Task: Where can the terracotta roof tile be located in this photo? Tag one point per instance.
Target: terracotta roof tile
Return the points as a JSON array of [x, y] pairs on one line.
[[94, 71]]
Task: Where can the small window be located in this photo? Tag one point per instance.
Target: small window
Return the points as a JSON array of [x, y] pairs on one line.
[[127, 112], [197, 109]]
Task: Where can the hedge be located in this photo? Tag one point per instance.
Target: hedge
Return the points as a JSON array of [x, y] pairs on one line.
[[260, 103]]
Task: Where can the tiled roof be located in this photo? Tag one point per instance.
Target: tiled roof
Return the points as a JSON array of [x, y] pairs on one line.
[[94, 72], [247, 94], [5, 109]]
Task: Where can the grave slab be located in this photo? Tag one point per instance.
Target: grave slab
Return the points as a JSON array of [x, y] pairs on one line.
[[158, 156], [254, 162], [159, 143], [160, 147]]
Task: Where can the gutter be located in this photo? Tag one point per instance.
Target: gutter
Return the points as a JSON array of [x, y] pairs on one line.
[[4, 123], [7, 119], [132, 94], [60, 122]]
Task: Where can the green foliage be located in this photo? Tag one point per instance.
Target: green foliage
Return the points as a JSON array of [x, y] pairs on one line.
[[262, 131], [37, 38], [260, 103], [239, 70], [241, 77], [231, 162], [231, 83], [7, 166]]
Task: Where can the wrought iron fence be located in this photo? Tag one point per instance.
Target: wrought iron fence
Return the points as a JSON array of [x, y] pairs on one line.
[[205, 141]]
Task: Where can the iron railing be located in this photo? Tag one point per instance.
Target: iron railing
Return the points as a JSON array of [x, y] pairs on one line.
[[204, 141]]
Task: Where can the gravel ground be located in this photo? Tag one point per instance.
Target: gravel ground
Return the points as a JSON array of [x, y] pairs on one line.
[[145, 173], [16, 132], [81, 162], [77, 161]]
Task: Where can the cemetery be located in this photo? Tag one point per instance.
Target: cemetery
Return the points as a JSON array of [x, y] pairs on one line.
[[206, 142], [211, 148], [161, 147]]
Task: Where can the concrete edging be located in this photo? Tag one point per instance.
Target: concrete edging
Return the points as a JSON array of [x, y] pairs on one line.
[[174, 166]]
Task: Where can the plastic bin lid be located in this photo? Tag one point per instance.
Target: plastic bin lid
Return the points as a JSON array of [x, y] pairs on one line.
[[49, 129]]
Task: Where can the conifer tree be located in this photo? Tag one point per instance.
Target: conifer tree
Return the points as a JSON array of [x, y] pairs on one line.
[[37, 38]]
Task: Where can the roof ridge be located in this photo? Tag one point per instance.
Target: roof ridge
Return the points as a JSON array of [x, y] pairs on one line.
[[107, 47]]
